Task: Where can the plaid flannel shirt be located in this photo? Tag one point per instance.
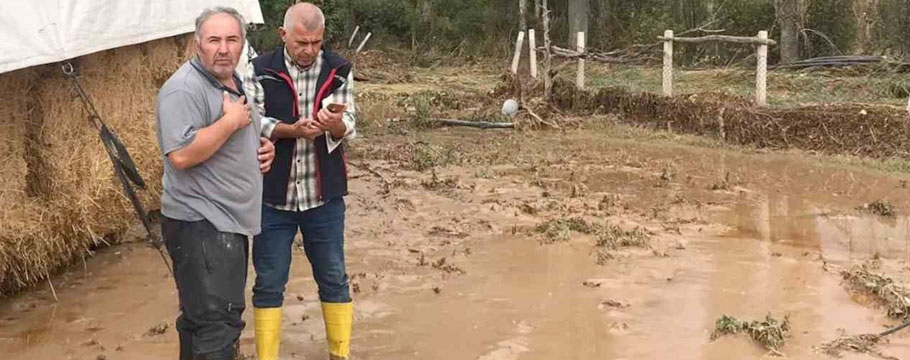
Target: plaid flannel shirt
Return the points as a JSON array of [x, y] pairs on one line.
[[302, 183]]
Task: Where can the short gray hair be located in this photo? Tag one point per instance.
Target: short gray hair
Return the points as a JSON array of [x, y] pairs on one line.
[[315, 21], [208, 13]]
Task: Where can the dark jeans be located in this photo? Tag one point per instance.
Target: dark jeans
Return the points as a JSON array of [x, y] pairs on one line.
[[210, 271], [323, 243]]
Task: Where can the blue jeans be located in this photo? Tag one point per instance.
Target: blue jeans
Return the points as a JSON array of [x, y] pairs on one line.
[[323, 242]]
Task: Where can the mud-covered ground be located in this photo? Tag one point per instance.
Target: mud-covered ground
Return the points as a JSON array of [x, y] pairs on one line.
[[595, 242]]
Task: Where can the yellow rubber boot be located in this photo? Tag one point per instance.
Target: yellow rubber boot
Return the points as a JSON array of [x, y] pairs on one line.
[[268, 332], [339, 318]]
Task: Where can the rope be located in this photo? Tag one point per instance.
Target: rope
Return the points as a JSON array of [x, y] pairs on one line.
[[124, 166]]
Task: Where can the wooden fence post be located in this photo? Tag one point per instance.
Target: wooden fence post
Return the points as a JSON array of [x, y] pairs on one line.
[[668, 63], [364, 42], [517, 57], [353, 36], [532, 44], [761, 76], [580, 75]]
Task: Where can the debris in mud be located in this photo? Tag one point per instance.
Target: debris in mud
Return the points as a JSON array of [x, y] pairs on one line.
[[448, 268], [723, 184], [864, 344], [612, 304], [422, 261], [91, 342], [355, 287], [678, 199], [664, 179], [157, 329], [556, 230], [299, 297], [443, 231], [673, 229], [770, 333], [603, 256], [95, 328], [436, 183], [658, 253], [612, 237], [895, 297], [578, 190], [607, 202], [608, 236], [119, 348], [878, 207], [101, 357], [592, 283], [437, 290], [304, 317], [422, 156]]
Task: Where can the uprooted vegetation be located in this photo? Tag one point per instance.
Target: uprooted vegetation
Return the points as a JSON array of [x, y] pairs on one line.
[[878, 207], [557, 230], [895, 298], [890, 295], [608, 237], [864, 344], [879, 131], [770, 333], [864, 130]]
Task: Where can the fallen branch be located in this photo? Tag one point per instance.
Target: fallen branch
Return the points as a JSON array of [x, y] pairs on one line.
[[864, 343], [635, 53], [600, 57], [541, 120], [475, 124]]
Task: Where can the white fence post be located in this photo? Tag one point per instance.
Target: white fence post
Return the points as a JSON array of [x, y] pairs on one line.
[[580, 75], [668, 63], [364, 42], [532, 44], [353, 36], [517, 57], [761, 76]]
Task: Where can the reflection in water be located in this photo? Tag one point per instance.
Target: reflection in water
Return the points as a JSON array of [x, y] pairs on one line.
[[839, 237]]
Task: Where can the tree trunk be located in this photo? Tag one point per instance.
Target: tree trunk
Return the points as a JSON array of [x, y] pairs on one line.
[[548, 57], [420, 22], [789, 16], [867, 18], [578, 20], [522, 8]]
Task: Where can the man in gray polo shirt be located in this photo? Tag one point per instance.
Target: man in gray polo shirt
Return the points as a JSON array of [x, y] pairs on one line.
[[212, 198]]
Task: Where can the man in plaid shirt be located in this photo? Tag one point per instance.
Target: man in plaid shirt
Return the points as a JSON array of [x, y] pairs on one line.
[[293, 87]]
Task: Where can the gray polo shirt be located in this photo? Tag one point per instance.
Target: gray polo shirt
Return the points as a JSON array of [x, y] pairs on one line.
[[226, 189]]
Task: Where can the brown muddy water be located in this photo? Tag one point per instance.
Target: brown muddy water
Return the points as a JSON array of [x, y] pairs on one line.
[[452, 268]]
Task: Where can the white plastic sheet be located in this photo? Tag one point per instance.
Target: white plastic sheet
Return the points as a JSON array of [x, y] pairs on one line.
[[35, 32]]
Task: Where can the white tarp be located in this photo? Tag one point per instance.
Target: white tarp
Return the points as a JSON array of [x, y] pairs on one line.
[[35, 32]]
